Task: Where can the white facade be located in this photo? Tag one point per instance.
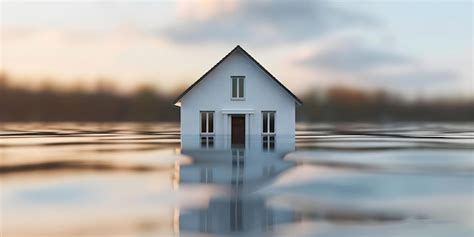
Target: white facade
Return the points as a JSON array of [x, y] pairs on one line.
[[213, 92]]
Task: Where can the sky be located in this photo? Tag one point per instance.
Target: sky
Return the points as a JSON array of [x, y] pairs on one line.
[[414, 48]]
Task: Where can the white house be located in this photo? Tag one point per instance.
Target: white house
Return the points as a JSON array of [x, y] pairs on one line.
[[237, 97]]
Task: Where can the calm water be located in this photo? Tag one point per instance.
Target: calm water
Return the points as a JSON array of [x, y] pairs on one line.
[[331, 180]]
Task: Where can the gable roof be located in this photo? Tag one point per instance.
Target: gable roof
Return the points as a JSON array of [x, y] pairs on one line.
[[238, 48]]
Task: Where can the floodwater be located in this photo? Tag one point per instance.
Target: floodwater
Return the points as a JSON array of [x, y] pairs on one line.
[[64, 179]]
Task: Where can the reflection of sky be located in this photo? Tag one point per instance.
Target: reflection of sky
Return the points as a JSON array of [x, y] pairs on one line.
[[381, 187], [63, 194], [295, 194], [147, 41]]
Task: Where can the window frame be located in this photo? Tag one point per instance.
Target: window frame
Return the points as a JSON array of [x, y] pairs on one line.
[[240, 84], [268, 112], [206, 131]]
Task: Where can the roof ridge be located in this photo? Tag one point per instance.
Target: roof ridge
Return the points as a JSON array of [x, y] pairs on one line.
[[252, 59]]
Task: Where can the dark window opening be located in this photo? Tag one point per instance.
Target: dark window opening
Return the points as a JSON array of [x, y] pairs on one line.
[[268, 122]]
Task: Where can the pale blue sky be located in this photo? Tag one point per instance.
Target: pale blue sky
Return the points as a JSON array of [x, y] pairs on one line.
[[439, 28], [171, 44]]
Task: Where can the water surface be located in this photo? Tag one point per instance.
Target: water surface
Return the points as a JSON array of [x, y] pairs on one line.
[[127, 179]]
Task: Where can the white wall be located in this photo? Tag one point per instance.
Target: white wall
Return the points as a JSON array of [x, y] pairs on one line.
[[214, 94]]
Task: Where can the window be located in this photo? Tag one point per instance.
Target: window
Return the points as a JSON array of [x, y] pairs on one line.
[[238, 87], [268, 122], [207, 122], [268, 142], [207, 141]]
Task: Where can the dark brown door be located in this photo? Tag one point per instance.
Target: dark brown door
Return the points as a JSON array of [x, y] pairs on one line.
[[238, 130]]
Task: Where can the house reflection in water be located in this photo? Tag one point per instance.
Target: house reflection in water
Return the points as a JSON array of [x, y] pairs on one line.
[[244, 170]]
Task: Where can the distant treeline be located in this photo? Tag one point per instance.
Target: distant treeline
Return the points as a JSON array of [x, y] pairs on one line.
[[103, 103], [19, 103], [347, 104]]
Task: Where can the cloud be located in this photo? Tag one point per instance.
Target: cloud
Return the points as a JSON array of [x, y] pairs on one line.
[[359, 63], [352, 56], [262, 22]]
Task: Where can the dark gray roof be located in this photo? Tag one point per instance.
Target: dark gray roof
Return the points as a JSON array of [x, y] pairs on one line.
[[238, 48]]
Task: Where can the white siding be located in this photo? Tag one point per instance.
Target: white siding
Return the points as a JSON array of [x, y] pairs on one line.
[[262, 93]]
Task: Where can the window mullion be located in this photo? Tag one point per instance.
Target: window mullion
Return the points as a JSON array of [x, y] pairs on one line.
[[268, 122]]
